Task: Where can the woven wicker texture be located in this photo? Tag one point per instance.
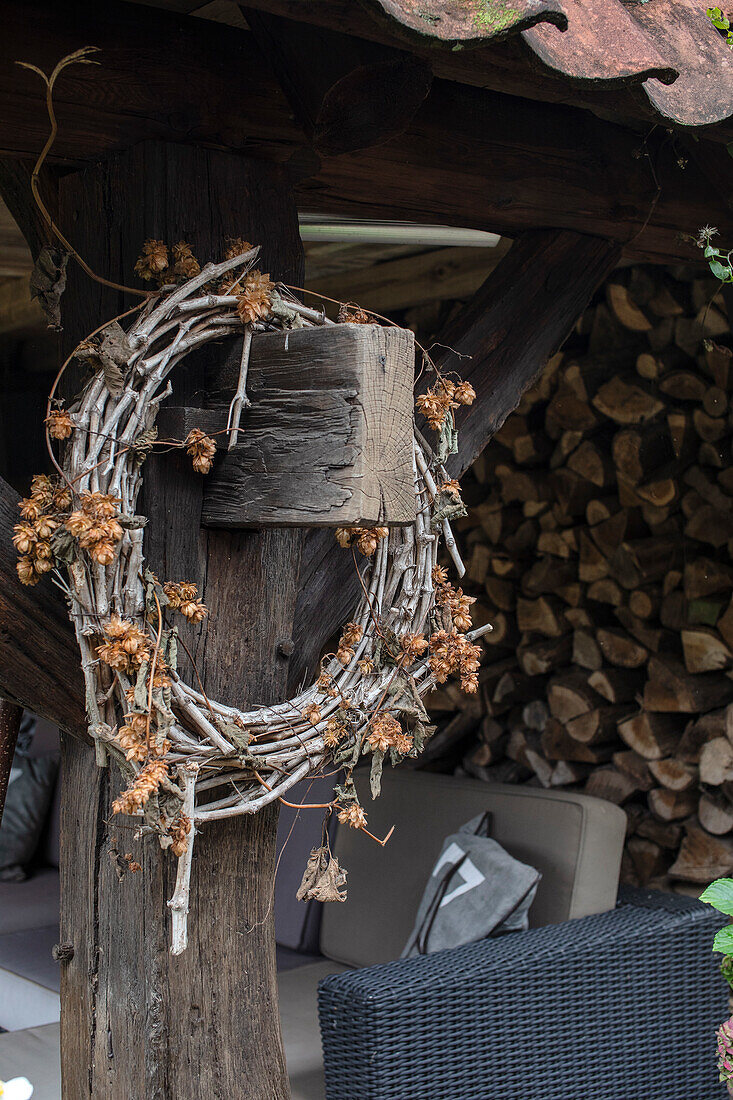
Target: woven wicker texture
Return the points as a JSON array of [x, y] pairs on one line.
[[620, 1006]]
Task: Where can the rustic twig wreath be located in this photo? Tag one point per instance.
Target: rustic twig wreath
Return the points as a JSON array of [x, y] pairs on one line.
[[190, 759]]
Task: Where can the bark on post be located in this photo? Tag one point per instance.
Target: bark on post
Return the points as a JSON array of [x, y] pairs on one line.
[[137, 1023]]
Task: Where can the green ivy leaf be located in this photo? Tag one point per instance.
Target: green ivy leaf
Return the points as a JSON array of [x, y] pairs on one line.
[[724, 940], [719, 894], [720, 271]]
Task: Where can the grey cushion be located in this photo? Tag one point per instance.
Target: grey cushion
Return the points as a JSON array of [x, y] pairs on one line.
[[27, 804], [573, 840], [33, 1053], [301, 1035], [30, 904]]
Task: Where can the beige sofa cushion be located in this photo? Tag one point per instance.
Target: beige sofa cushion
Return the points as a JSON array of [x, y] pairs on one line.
[[575, 841]]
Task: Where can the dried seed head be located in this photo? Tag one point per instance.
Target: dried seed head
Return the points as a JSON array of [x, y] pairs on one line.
[[313, 713], [145, 784], [351, 314], [464, 393], [185, 264], [353, 815], [383, 730], [60, 425], [152, 261], [237, 246], [25, 537], [202, 449], [255, 300], [26, 571]]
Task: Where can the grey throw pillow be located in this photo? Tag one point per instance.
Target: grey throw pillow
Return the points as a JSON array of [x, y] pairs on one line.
[[476, 890], [26, 809]]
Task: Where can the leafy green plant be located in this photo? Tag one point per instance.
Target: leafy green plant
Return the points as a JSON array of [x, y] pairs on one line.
[[720, 20], [720, 262], [719, 894]]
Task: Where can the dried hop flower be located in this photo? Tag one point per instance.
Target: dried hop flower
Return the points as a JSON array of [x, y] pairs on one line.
[[153, 260], [255, 299], [384, 729], [27, 571], [178, 833], [464, 393], [202, 449], [366, 539], [60, 425], [352, 814], [237, 246], [312, 712], [185, 264], [146, 783], [353, 315]]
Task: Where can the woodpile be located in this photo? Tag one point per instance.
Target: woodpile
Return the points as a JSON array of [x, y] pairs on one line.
[[598, 542]]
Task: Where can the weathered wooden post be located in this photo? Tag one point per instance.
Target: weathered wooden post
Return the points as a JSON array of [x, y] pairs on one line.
[[138, 1023]]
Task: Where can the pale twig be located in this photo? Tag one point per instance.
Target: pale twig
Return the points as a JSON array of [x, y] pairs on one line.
[[240, 401], [179, 903]]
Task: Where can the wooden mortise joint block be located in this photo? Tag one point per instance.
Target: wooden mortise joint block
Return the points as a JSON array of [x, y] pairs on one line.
[[327, 440]]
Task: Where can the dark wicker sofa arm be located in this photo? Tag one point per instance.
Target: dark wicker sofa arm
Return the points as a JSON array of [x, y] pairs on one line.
[[620, 1006]]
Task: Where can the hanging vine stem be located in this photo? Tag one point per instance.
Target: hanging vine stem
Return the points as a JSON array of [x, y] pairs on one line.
[[78, 57]]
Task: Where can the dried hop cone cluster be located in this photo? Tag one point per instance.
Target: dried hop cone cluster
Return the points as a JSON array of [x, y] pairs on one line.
[[135, 740], [385, 733], [443, 397], [41, 512], [255, 298], [349, 639], [146, 783], [202, 449], [366, 539], [453, 600], [126, 647], [155, 263], [96, 526], [184, 597], [452, 654]]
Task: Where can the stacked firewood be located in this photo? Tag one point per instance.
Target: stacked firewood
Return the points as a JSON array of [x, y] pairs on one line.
[[598, 542]]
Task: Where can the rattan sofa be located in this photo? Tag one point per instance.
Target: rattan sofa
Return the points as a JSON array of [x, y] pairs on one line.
[[597, 1001]]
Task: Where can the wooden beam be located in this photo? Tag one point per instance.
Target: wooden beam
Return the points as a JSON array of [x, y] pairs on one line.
[[469, 156], [505, 335], [326, 439], [346, 93], [442, 273]]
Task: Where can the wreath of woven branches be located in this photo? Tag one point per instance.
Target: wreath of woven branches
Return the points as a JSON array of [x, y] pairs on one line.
[[189, 759]]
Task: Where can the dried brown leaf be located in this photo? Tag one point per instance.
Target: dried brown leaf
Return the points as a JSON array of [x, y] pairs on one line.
[[322, 878]]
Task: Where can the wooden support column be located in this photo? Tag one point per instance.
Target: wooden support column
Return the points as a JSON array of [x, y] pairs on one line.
[[504, 336], [137, 1023]]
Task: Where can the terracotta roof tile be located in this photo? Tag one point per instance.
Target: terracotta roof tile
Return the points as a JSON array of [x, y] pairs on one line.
[[670, 46]]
